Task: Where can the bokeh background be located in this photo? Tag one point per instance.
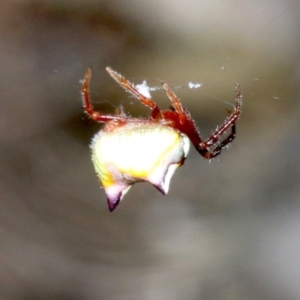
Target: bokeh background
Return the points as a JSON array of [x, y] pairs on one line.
[[228, 229]]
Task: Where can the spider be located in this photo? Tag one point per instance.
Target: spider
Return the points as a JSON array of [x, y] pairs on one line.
[[129, 150]]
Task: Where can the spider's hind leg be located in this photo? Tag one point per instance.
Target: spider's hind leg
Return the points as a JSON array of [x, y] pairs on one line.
[[88, 107]]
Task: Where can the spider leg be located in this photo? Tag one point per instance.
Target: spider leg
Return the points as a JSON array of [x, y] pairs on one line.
[[128, 86], [216, 151], [230, 122], [88, 107], [176, 104]]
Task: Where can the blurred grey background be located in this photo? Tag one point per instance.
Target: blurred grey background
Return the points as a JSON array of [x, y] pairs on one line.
[[228, 229]]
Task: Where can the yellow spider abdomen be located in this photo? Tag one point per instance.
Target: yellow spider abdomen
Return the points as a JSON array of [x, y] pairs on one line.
[[134, 152]]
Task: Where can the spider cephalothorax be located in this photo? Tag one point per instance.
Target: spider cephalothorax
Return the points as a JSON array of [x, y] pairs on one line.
[[129, 150]]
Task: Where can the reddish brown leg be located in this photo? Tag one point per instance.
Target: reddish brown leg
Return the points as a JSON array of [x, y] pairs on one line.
[[208, 155], [97, 116], [175, 102], [230, 122], [127, 85], [187, 125]]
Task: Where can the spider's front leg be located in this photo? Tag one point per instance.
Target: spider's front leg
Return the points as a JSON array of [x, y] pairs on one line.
[[204, 151], [230, 122], [187, 125], [128, 86]]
